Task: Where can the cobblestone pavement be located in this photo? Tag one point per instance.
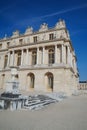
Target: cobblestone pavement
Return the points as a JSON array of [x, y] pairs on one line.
[[69, 114]]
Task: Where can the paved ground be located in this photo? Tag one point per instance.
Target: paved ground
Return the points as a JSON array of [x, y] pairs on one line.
[[69, 114]]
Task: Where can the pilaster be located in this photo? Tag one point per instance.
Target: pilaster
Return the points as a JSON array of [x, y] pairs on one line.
[[8, 59], [38, 55], [27, 56], [22, 54], [56, 54]]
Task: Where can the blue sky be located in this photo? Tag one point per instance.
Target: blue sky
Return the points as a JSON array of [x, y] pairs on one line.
[[19, 14]]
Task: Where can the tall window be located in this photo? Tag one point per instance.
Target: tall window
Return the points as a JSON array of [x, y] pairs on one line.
[[20, 41], [8, 43], [32, 81], [51, 36], [19, 59], [34, 57], [51, 56], [0, 46], [49, 80], [5, 61], [35, 39]]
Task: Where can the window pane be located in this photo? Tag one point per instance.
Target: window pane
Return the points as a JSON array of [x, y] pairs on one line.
[[51, 56]]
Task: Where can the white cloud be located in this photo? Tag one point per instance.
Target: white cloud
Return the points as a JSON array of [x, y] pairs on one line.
[[65, 11]]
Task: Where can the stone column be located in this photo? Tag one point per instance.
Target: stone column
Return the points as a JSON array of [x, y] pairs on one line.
[[13, 59], [27, 57], [56, 61], [43, 55], [22, 57], [8, 63], [68, 58], [38, 55], [30, 58], [62, 53]]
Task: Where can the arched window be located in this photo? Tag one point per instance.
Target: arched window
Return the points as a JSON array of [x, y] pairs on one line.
[[5, 61], [34, 58], [30, 80], [49, 81], [19, 59], [16, 76], [51, 56]]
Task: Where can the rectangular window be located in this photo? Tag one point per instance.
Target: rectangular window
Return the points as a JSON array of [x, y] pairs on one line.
[[0, 46], [19, 59], [51, 36], [35, 39], [34, 57], [8, 43], [20, 41], [51, 59]]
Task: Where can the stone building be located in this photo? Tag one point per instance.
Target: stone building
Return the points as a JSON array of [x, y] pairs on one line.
[[82, 85], [46, 59]]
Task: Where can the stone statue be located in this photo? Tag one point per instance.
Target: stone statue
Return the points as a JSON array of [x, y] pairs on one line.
[[15, 34], [5, 36], [13, 84], [43, 27], [60, 24], [29, 30]]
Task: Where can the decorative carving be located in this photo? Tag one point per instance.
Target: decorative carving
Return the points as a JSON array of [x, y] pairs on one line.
[[28, 40], [5, 36], [38, 38], [55, 35], [68, 34], [13, 42], [43, 27], [15, 34], [60, 24], [29, 30], [62, 34], [43, 37]]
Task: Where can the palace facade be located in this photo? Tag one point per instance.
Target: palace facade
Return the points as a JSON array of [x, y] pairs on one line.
[[45, 59]]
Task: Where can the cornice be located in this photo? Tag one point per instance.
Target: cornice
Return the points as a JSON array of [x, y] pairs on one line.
[[34, 33]]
